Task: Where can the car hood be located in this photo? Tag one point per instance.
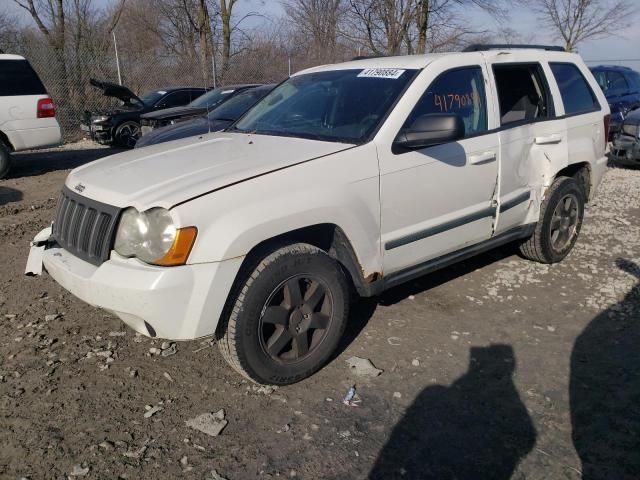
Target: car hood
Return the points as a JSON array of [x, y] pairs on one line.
[[114, 90], [170, 173], [174, 112], [188, 128]]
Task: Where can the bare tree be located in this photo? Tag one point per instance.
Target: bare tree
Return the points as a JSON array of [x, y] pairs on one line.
[[381, 25], [575, 21], [226, 11], [317, 21]]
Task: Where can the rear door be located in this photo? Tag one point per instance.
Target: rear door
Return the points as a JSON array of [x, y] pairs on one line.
[[531, 135], [582, 112]]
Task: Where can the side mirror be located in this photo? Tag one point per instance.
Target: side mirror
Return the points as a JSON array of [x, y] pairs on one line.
[[431, 129]]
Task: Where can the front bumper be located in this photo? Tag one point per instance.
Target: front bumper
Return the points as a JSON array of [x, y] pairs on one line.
[[177, 303], [98, 133], [626, 150]]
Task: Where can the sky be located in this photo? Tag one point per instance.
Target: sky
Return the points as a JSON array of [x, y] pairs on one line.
[[622, 49]]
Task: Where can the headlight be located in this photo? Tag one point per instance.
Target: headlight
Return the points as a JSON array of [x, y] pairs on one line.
[[99, 119], [152, 237]]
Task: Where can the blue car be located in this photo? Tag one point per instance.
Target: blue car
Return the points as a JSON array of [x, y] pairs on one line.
[[218, 119], [621, 86]]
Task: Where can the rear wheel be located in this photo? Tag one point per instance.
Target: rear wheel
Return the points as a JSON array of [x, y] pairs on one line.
[[288, 317], [5, 160], [127, 134], [561, 216]]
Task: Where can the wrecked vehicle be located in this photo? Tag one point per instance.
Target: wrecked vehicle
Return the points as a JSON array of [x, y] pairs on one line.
[[625, 149], [120, 126], [218, 119], [621, 87], [197, 109], [352, 177]]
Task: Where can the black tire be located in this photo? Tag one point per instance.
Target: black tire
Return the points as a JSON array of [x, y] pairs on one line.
[[247, 335], [127, 134], [5, 160], [557, 230]]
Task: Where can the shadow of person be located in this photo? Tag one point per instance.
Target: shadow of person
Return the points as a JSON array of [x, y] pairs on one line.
[[604, 389], [477, 428], [9, 195]]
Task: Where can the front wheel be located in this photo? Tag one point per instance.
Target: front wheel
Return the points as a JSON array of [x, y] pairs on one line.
[[127, 134], [5, 160], [288, 317], [561, 215]]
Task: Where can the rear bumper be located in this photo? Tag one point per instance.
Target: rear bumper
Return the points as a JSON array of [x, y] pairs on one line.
[[178, 303], [41, 133], [598, 169]]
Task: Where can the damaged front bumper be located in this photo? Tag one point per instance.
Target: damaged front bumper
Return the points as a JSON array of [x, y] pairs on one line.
[[177, 303], [626, 150], [98, 133]]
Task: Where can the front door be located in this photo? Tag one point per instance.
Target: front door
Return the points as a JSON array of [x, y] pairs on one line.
[[440, 199]]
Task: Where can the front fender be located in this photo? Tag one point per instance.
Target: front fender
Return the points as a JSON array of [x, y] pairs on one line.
[[340, 189]]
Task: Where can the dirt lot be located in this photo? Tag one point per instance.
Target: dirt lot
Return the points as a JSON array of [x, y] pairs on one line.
[[496, 368]]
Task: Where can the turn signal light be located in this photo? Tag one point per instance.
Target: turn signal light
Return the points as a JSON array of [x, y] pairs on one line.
[[181, 248]]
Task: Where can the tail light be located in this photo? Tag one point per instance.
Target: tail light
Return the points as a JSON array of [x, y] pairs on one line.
[[607, 120], [46, 108]]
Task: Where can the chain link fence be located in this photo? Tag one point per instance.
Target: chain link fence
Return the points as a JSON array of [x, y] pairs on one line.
[[67, 76]]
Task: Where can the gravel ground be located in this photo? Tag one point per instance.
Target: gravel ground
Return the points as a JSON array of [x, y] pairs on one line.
[[495, 368]]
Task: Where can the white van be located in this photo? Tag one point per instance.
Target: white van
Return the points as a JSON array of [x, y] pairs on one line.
[[352, 177], [27, 114]]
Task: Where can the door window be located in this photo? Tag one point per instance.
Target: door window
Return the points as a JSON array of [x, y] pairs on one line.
[[459, 91], [634, 77], [176, 99], [617, 81], [522, 93], [18, 78], [576, 93]]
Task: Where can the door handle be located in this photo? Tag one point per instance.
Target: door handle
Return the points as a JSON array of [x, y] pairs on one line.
[[551, 139], [485, 157]]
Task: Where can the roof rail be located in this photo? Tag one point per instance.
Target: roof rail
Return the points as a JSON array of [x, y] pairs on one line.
[[481, 47], [367, 57]]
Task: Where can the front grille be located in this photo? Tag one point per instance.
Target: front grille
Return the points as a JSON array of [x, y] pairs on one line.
[[84, 227]]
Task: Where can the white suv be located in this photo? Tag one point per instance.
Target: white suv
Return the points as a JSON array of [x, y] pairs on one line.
[[27, 114], [349, 177]]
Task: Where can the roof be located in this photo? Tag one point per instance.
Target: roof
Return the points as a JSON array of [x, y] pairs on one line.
[[416, 62], [410, 62], [610, 67], [7, 56]]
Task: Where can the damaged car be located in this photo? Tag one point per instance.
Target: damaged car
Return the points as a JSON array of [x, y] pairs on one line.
[[198, 108], [345, 180], [625, 149], [217, 120], [120, 126]]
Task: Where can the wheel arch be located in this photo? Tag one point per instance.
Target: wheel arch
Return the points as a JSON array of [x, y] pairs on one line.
[[5, 139], [328, 237], [581, 172]]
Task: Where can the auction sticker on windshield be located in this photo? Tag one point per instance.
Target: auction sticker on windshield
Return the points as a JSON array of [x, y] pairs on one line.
[[393, 73]]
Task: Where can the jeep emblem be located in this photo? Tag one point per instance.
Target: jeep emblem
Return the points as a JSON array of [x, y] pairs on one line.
[[79, 187]]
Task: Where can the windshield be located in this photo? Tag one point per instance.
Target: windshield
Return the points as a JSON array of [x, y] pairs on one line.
[[212, 98], [236, 106], [339, 106]]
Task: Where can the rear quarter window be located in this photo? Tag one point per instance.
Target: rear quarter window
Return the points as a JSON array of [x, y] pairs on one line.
[[576, 93], [18, 78]]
